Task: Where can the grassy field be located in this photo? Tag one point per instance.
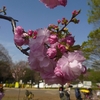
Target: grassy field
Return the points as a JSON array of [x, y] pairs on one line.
[[39, 94]]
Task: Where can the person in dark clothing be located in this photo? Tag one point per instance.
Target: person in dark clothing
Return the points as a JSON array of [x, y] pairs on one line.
[[77, 94], [67, 95], [61, 94], [90, 94], [64, 95], [67, 91]]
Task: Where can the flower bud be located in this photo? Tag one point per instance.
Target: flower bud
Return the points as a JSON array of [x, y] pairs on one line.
[[64, 21], [51, 52], [59, 21], [62, 48], [30, 33], [74, 20], [70, 40], [53, 39]]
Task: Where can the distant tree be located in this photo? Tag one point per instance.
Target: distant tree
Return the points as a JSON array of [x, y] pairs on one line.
[[22, 71], [94, 12], [38, 79], [32, 76], [5, 64], [5, 73], [94, 76], [18, 70], [4, 55], [91, 49], [29, 75], [91, 75]]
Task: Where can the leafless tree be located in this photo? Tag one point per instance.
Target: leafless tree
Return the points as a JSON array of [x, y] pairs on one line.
[[5, 63], [4, 55], [18, 70]]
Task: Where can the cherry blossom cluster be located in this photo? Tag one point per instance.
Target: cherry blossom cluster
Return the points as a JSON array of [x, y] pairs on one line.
[[52, 51]]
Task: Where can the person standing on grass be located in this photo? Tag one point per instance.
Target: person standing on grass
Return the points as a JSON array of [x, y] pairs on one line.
[[64, 95], [67, 91], [67, 94], [77, 94], [61, 93]]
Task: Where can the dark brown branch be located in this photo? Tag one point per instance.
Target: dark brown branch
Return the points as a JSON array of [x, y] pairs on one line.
[[7, 18], [70, 21], [24, 51], [13, 23], [66, 24]]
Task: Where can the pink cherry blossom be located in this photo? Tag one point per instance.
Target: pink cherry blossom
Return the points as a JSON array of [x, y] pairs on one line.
[[30, 33], [59, 21], [74, 13], [63, 2], [38, 59], [69, 67], [54, 45], [19, 30], [51, 52], [54, 3], [53, 39], [20, 36], [51, 78], [70, 40], [61, 48], [84, 69]]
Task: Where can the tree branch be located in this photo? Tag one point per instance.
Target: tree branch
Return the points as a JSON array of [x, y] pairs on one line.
[[13, 23]]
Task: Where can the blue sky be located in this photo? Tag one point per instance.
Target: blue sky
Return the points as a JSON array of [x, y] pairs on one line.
[[32, 14]]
